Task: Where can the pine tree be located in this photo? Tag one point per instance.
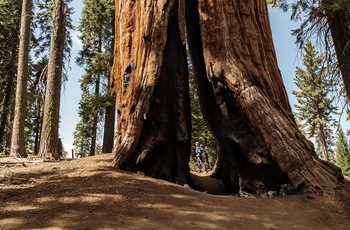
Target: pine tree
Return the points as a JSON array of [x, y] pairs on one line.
[[35, 104], [327, 21], [38, 78], [10, 21], [49, 141], [109, 120], [96, 56], [315, 107], [17, 139], [342, 154], [82, 137]]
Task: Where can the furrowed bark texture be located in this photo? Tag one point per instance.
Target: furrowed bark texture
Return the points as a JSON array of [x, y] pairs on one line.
[[150, 81], [339, 26], [235, 66], [49, 140], [241, 91]]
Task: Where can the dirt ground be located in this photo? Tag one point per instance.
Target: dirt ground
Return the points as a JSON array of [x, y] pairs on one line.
[[89, 194]]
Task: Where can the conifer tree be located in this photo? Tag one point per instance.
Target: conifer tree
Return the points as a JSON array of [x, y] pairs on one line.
[[329, 22], [342, 154], [38, 78], [17, 138], [95, 57], [49, 140], [10, 17], [315, 107], [109, 120]]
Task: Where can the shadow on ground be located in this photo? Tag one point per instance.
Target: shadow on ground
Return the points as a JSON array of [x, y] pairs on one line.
[[89, 194]]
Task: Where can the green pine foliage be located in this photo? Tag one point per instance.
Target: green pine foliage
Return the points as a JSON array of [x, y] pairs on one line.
[[96, 58], [10, 16], [42, 28], [314, 25], [313, 17], [82, 134], [283, 4], [342, 154], [35, 103], [315, 106]]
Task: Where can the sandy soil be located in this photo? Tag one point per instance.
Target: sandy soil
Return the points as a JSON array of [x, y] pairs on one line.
[[88, 194]]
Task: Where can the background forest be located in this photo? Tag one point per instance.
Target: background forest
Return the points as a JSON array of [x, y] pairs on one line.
[[317, 93]]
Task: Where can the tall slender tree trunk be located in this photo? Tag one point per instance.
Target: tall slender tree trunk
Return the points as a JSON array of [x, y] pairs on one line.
[[7, 104], [324, 143], [49, 134], [95, 117], [108, 133], [37, 129], [109, 126], [8, 133], [96, 111], [17, 139], [241, 94]]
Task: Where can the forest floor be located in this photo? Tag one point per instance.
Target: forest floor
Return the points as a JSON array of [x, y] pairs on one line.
[[89, 194]]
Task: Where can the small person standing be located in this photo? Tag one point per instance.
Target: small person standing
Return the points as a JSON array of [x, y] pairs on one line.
[[199, 153]]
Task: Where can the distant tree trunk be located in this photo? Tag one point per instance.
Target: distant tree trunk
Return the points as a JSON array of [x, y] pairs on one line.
[[7, 104], [241, 93], [38, 122], [96, 111], [109, 130], [324, 143], [17, 139], [49, 135], [95, 118], [151, 85], [339, 26], [8, 133]]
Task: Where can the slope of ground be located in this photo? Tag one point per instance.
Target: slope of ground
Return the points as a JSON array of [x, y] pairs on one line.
[[89, 194]]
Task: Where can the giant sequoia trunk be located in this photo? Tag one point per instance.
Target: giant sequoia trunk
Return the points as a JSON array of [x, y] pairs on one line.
[[151, 84], [241, 92]]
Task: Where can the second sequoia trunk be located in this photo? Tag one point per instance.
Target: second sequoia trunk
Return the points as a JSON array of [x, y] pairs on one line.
[[245, 103]]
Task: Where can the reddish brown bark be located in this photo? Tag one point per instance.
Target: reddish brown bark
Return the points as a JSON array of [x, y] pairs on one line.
[[150, 80], [241, 91], [238, 60]]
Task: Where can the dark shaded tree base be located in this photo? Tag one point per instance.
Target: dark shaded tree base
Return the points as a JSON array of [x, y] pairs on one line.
[[163, 148]]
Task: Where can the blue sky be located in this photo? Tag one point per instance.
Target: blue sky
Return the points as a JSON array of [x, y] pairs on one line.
[[286, 49]]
